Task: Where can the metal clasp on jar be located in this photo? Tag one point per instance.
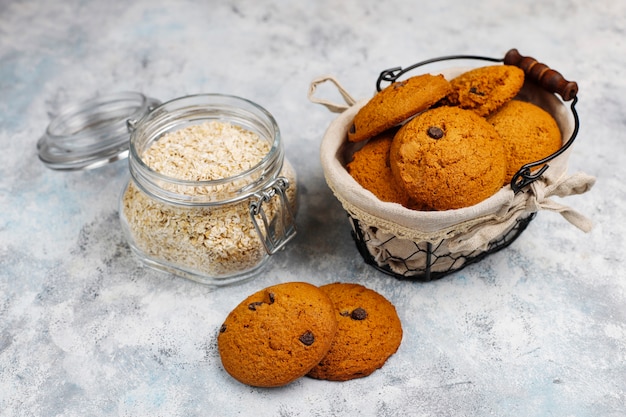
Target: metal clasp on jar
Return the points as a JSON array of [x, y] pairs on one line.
[[276, 231]]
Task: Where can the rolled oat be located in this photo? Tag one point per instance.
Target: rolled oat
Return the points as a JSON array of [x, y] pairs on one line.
[[217, 240]]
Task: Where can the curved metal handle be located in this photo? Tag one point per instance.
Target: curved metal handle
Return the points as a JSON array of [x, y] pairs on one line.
[[392, 74], [543, 75]]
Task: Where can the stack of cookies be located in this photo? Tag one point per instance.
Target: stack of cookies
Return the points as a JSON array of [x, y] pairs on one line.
[[432, 144], [335, 332]]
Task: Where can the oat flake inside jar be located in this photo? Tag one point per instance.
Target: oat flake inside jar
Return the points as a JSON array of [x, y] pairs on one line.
[[210, 195]]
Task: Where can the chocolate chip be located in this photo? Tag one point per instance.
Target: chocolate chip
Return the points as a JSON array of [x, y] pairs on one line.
[[345, 314], [271, 297], [435, 132], [358, 314], [352, 129], [307, 338], [474, 90], [253, 306], [223, 328]]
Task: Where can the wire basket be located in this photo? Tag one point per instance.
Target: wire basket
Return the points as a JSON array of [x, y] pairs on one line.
[[427, 261], [424, 246]]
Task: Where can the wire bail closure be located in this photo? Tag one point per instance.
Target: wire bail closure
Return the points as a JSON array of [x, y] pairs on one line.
[[281, 229], [547, 78]]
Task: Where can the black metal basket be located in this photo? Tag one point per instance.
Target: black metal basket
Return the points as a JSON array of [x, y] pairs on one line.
[[451, 262], [436, 262]]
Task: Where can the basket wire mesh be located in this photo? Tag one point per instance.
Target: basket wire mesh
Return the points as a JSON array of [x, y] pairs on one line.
[[429, 272]]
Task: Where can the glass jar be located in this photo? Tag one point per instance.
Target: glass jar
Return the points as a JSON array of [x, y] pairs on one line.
[[210, 195], [218, 230]]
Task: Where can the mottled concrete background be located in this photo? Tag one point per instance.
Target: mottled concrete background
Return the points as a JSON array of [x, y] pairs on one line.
[[536, 330]]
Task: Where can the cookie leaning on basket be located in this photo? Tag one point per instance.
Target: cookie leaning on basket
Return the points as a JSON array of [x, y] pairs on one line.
[[529, 134], [397, 103]]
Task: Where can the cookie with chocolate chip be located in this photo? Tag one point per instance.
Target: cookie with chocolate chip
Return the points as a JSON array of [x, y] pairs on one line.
[[486, 89], [370, 168], [277, 335], [448, 158], [396, 103], [369, 332], [529, 134]]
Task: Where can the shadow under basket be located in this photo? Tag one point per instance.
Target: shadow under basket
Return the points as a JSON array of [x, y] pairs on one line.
[[424, 246]]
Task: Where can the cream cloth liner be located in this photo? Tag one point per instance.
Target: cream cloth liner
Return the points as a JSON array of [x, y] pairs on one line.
[[470, 228]]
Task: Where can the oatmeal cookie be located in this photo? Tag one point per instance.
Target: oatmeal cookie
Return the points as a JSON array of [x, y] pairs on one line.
[[486, 89], [370, 168], [529, 133], [396, 103], [277, 334], [369, 332], [448, 158]]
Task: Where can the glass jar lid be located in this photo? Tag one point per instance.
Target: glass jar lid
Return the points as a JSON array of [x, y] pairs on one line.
[[94, 132]]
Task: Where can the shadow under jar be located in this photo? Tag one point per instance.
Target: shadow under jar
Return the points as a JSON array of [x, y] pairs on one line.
[[211, 195]]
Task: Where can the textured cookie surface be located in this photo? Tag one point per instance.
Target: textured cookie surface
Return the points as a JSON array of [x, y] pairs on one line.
[[277, 335], [396, 103], [370, 168], [529, 134], [369, 332], [486, 89], [448, 158]]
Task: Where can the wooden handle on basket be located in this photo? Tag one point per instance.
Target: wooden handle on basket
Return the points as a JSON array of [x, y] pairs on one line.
[[547, 78]]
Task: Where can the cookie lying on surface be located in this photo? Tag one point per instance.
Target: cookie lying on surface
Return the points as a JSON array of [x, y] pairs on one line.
[[277, 335], [369, 333], [335, 332]]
